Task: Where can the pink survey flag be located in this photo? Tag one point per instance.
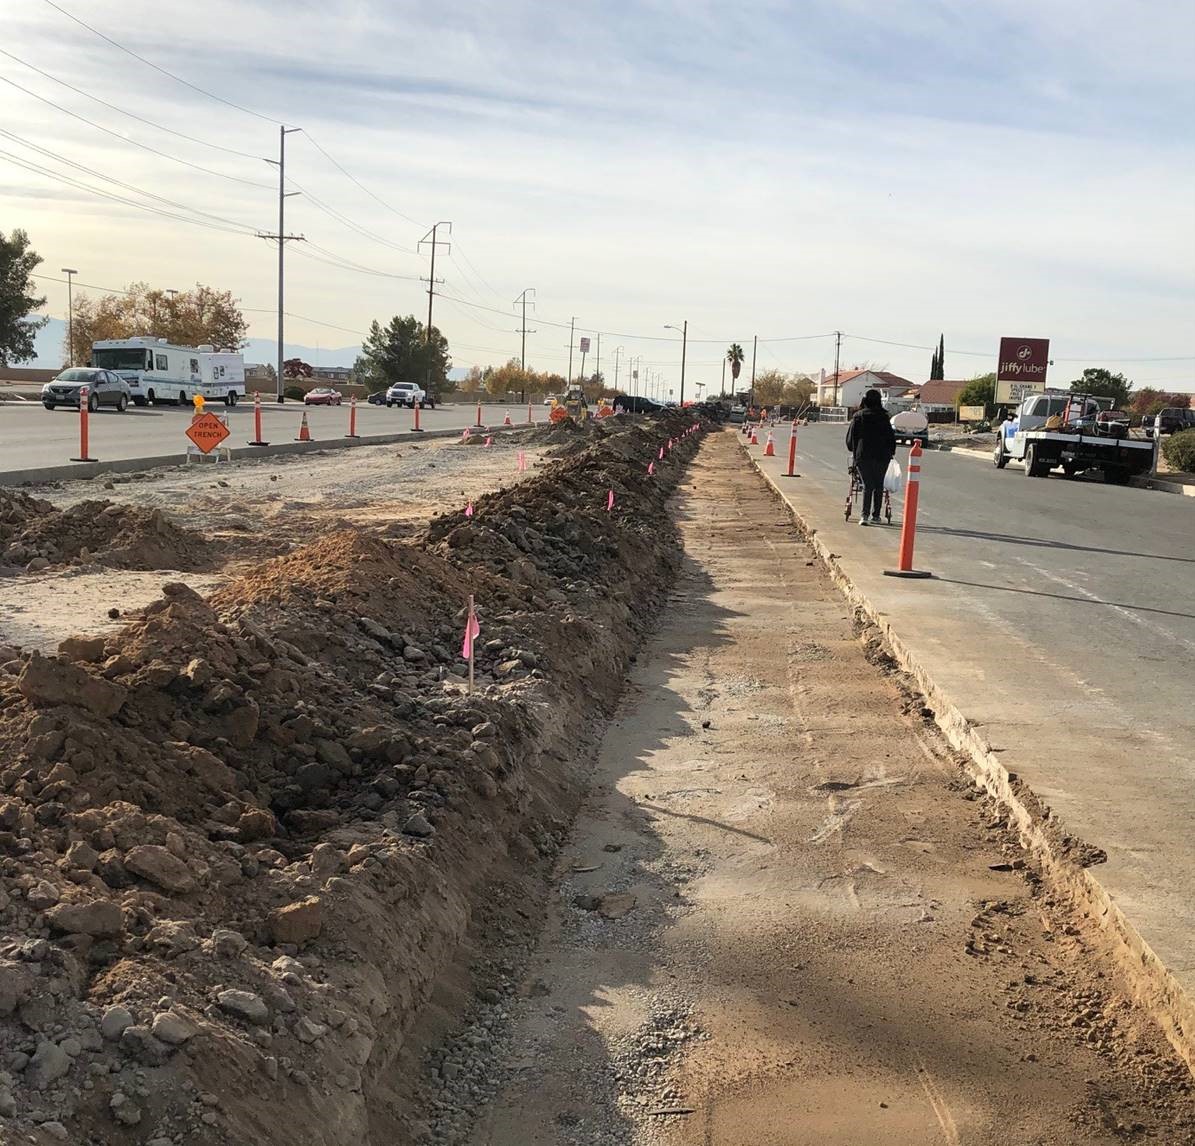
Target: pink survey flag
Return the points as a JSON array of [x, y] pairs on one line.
[[651, 467], [472, 632], [489, 441], [609, 501], [661, 453], [469, 510], [522, 461]]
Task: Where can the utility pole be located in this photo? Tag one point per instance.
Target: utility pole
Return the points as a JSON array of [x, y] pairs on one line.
[[617, 352], [598, 369], [837, 349], [524, 332], [282, 238], [722, 388], [70, 273], [684, 335], [432, 237], [572, 323]]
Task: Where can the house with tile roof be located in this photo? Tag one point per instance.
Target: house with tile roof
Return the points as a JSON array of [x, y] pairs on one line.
[[853, 384]]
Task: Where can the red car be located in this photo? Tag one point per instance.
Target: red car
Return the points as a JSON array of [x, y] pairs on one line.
[[322, 396]]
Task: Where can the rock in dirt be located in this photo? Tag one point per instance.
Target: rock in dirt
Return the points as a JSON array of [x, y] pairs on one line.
[[155, 864], [418, 826], [297, 923], [47, 681], [48, 1064], [244, 1005], [115, 1021], [172, 1028], [101, 918]]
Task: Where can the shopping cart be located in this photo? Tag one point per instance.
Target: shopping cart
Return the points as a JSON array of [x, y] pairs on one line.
[[856, 490]]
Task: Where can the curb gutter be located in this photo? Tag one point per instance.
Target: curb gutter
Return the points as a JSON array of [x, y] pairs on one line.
[[82, 470]]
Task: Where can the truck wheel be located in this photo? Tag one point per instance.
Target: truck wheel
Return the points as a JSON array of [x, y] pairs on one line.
[[150, 397], [1068, 468], [1032, 466], [230, 399], [138, 401], [182, 398], [1000, 458], [48, 405]]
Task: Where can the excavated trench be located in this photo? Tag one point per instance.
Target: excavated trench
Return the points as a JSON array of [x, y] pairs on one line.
[[241, 838]]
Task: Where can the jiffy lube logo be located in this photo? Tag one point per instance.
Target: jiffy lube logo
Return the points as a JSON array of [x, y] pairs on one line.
[[1023, 359]]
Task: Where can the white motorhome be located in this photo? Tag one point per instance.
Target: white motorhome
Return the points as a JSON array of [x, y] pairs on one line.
[[158, 371]]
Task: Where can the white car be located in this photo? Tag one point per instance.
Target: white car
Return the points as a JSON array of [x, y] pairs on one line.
[[409, 394]]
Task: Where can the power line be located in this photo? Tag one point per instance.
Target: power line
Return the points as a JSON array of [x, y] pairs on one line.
[[320, 205], [348, 175], [37, 169], [130, 114], [159, 68], [116, 182], [129, 139]]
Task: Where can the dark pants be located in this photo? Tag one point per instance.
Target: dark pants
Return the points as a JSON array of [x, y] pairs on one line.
[[871, 474]]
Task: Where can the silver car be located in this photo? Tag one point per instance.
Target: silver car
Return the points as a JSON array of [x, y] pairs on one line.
[[103, 389]]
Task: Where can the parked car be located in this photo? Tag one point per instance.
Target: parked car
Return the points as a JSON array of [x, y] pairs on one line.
[[409, 394], [377, 398], [103, 389], [322, 396], [738, 415], [1169, 421], [549, 399], [635, 404]]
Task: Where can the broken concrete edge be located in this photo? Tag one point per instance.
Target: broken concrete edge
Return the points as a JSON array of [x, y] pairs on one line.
[[1150, 982], [78, 471]]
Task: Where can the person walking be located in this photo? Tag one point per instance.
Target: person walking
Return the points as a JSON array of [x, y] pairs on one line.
[[872, 443]]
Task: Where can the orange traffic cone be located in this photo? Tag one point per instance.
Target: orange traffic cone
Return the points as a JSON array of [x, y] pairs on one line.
[[769, 450], [304, 432], [754, 437], [506, 421]]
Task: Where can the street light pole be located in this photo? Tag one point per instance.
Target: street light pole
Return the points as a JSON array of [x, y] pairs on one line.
[[70, 273], [684, 345]]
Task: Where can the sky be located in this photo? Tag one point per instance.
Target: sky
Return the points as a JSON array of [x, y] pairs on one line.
[[891, 169]]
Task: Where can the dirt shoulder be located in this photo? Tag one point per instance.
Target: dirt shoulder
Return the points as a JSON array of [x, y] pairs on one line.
[[786, 917]]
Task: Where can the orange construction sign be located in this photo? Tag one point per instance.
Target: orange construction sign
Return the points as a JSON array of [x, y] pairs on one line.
[[207, 432]]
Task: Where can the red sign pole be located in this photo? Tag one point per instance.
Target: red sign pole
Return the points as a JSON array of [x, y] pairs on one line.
[[908, 525], [84, 398], [257, 439], [416, 427], [352, 417]]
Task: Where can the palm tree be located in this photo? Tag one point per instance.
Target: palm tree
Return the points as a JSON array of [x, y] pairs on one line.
[[735, 357]]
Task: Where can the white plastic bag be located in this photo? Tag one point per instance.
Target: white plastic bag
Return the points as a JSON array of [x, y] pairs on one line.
[[893, 477]]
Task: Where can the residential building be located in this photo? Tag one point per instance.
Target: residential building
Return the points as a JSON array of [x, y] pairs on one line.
[[853, 384], [940, 397]]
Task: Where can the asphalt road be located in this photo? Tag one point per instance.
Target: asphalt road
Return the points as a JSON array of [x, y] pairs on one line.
[[31, 436], [1061, 621]]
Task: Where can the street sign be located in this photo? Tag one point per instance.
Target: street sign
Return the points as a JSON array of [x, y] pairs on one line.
[[1014, 393], [207, 432], [1023, 360], [971, 413], [584, 345]]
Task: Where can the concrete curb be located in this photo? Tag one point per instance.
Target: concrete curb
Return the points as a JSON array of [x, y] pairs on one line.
[[81, 470], [1159, 483], [1152, 985]]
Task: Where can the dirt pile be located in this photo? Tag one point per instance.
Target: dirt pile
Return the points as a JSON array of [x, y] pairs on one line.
[[35, 535], [240, 838]]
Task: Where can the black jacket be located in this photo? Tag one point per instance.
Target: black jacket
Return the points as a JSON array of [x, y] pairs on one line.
[[870, 436]]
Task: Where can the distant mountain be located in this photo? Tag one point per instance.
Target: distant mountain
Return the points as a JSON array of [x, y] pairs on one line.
[[52, 336]]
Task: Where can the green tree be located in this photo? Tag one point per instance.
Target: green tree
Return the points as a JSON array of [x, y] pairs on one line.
[[980, 391], [401, 352], [198, 317], [734, 355], [1104, 384], [937, 365], [17, 300]]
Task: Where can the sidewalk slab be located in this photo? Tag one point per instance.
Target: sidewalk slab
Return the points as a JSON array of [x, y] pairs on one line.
[[1116, 781]]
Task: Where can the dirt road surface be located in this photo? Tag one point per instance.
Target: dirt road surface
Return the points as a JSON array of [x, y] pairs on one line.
[[787, 918]]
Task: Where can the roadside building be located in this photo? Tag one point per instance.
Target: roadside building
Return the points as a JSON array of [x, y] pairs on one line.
[[940, 397], [853, 384]]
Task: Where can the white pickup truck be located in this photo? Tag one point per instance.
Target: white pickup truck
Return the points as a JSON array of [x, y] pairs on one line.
[[1073, 431]]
